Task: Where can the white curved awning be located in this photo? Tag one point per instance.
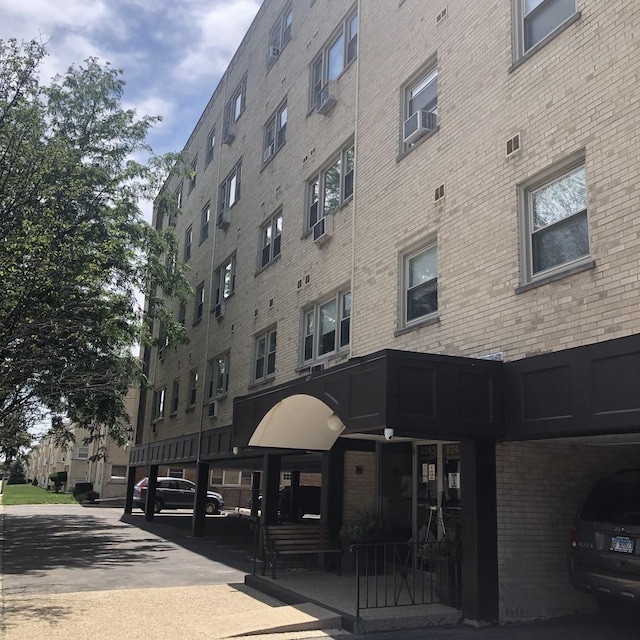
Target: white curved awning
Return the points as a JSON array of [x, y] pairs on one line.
[[298, 422]]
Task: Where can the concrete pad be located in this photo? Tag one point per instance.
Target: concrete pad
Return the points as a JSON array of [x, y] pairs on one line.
[[214, 611]]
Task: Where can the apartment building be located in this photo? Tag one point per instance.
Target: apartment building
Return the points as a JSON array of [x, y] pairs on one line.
[[412, 236]]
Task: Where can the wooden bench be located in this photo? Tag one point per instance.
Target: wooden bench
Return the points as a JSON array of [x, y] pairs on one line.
[[297, 539]]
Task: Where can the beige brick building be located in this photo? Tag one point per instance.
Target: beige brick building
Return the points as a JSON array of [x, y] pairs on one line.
[[418, 216]]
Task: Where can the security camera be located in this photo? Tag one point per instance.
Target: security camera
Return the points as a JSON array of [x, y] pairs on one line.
[[388, 433]]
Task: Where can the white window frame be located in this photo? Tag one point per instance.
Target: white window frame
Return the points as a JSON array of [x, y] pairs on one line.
[[224, 281], [192, 398], [229, 194], [211, 145], [193, 175], [213, 479], [117, 478], [198, 306], [270, 241], [317, 203], [312, 323], [175, 472], [522, 18], [265, 350], [573, 167], [280, 34], [346, 38], [159, 400], [188, 243], [236, 105], [408, 287], [205, 218], [175, 397], [426, 80], [218, 377], [275, 133], [178, 195], [82, 453]]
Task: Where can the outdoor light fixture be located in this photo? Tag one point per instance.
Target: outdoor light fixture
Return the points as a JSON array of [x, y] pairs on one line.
[[236, 451], [334, 423], [388, 433]]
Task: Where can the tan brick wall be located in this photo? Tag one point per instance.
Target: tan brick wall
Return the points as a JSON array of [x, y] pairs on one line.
[[359, 488], [540, 487]]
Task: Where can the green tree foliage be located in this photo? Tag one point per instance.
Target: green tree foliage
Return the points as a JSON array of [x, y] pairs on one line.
[[74, 247], [16, 473]]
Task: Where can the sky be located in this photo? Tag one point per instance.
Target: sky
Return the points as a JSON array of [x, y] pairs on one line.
[[172, 52]]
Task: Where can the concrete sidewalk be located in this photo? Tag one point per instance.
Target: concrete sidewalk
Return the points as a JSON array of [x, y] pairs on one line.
[[74, 572]]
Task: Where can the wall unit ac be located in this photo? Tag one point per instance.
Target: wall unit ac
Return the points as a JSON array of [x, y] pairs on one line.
[[417, 125], [322, 230], [222, 221], [272, 55], [229, 134], [218, 311], [326, 99], [268, 152]]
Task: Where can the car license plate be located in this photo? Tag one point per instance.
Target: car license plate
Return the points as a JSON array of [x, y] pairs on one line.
[[622, 544]]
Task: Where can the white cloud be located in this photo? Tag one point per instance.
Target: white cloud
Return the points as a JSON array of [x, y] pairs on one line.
[[220, 31]]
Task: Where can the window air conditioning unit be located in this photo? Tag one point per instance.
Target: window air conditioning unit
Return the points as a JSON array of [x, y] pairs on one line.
[[326, 99], [229, 134], [317, 367], [322, 230], [268, 152], [218, 311], [416, 125], [272, 55], [222, 221]]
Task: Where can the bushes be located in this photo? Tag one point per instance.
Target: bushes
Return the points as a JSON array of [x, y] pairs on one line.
[[84, 491], [58, 478]]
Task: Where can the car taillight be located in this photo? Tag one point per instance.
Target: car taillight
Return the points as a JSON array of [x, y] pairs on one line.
[[574, 539]]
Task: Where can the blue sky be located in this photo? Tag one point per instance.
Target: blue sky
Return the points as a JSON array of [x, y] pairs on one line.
[[172, 52]]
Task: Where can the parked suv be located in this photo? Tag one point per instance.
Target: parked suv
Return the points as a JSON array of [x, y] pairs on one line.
[[175, 493], [605, 541]]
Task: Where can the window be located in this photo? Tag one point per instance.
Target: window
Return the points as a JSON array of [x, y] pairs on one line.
[[83, 453], [216, 477], [233, 478], [218, 377], [204, 222], [420, 107], [188, 239], [198, 307], [539, 18], [118, 473], [182, 313], [175, 396], [229, 195], [271, 240], [158, 404], [178, 196], [175, 473], [225, 284], [275, 133], [211, 143], [192, 174], [234, 108], [265, 356], [334, 58], [557, 226], [331, 188], [280, 35], [420, 284], [193, 387], [327, 327]]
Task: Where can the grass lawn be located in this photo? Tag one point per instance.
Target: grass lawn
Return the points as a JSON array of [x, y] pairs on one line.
[[28, 494]]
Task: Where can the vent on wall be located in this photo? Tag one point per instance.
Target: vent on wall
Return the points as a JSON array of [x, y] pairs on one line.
[[439, 193], [441, 16], [513, 145]]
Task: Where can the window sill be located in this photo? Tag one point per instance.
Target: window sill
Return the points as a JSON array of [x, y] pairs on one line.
[[330, 361], [272, 156], [425, 137], [432, 319], [266, 266], [565, 25], [261, 383], [579, 268], [173, 414], [190, 408], [195, 322], [203, 239], [345, 204]]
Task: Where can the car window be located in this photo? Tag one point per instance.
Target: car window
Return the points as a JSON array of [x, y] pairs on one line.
[[615, 501], [166, 484], [185, 486]]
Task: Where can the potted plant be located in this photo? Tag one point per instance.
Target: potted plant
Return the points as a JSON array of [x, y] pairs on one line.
[[365, 528]]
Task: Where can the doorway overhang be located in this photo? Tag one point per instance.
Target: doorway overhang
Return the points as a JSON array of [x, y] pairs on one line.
[[417, 394]]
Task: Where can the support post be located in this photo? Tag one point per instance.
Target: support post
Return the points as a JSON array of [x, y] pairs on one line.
[[270, 489], [294, 499], [131, 483], [151, 492], [198, 521], [255, 493], [332, 492]]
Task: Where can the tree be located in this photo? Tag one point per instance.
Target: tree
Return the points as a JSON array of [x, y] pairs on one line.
[[74, 247]]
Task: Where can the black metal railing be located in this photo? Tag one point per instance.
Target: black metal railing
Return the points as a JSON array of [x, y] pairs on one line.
[[402, 574]]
